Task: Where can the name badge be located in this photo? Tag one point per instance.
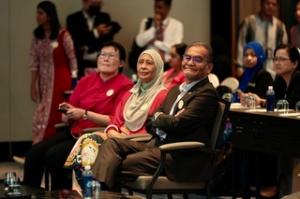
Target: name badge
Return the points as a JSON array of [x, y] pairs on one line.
[[110, 92], [180, 104]]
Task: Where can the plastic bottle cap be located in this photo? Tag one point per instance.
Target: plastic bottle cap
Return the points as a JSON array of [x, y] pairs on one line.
[[87, 167]]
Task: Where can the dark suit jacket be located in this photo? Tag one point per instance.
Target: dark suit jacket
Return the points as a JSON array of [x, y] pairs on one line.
[[82, 37], [193, 124]]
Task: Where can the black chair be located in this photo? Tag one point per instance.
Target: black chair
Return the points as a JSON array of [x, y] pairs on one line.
[[159, 184]]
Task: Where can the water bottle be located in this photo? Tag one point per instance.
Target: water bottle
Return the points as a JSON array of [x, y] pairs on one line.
[[270, 95], [227, 132], [96, 189], [87, 181]]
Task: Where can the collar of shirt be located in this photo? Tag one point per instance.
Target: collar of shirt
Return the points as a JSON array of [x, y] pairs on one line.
[[90, 20], [184, 87], [265, 20], [166, 21]]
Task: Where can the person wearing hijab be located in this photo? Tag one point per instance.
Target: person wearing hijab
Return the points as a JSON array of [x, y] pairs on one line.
[[131, 114], [255, 78]]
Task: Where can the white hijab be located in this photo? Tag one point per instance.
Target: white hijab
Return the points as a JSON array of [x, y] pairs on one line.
[[137, 106]]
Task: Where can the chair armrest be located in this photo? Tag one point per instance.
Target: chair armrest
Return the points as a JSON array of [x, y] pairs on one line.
[[60, 125], [90, 130], [138, 136], [181, 145]]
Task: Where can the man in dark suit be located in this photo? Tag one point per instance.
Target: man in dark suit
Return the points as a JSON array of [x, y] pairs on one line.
[[89, 29], [186, 115]]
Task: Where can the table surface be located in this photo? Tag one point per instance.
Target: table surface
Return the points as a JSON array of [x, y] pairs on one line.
[[258, 130]]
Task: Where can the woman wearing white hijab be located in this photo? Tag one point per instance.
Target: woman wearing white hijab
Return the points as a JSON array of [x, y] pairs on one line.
[[132, 112]]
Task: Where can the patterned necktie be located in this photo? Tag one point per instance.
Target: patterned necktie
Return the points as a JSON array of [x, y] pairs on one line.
[[160, 32]]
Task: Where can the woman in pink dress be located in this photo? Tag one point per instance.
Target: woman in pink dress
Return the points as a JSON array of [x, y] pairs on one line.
[[174, 76], [52, 62]]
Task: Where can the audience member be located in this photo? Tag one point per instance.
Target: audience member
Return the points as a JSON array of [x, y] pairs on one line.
[[91, 104], [255, 78], [287, 82], [174, 75], [295, 29], [164, 32], [187, 114], [52, 59], [287, 86], [89, 29], [265, 28], [131, 114]]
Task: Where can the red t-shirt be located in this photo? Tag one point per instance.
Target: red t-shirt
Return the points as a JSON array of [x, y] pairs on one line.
[[96, 95]]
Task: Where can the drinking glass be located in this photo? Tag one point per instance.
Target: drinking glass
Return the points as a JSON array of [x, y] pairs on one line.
[[10, 178], [282, 106], [251, 102]]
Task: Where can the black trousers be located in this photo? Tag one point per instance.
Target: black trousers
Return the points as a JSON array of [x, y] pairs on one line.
[[50, 154]]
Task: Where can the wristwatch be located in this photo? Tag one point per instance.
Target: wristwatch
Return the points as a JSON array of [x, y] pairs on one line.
[[85, 115]]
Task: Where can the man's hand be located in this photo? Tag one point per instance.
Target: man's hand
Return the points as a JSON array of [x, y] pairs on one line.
[[103, 29], [179, 112]]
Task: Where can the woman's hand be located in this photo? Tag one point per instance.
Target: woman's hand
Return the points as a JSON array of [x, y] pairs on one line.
[[65, 106], [244, 97], [101, 134], [112, 133], [75, 113], [125, 130]]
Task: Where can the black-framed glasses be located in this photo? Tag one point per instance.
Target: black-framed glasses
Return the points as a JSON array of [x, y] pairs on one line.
[[195, 59], [280, 59]]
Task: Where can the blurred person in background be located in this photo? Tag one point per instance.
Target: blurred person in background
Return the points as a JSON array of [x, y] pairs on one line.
[[265, 28], [89, 28], [174, 75], [295, 29], [52, 63]]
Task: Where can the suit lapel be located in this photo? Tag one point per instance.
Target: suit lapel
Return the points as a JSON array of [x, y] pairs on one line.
[[181, 104]]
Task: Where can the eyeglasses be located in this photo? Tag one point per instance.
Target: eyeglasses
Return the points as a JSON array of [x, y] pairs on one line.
[[108, 55], [195, 59], [280, 59]]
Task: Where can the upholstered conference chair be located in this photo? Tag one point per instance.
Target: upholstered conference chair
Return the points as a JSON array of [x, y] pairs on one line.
[[159, 184]]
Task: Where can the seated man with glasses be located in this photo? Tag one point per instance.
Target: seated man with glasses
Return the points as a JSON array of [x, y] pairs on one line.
[[187, 114], [92, 104]]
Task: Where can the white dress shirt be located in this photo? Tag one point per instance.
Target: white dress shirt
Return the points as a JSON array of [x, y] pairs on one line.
[[173, 34]]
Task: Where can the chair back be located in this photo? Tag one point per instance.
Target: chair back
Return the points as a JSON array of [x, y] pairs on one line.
[[231, 82], [219, 123], [214, 79]]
